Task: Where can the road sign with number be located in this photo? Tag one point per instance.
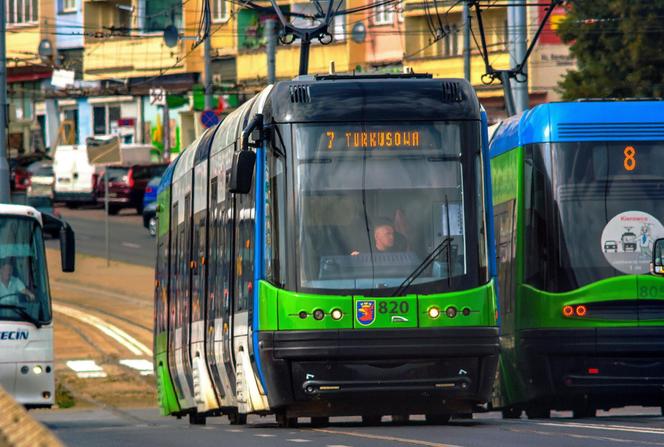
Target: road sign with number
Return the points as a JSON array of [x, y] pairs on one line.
[[157, 97]]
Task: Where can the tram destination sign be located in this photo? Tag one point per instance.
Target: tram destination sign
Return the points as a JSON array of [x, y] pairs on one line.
[[377, 137], [373, 139]]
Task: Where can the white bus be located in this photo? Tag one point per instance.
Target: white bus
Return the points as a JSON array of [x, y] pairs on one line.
[[26, 321]]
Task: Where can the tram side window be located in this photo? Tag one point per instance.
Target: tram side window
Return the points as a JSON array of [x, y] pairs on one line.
[[506, 247], [174, 259], [275, 198], [244, 249], [160, 298], [537, 194]]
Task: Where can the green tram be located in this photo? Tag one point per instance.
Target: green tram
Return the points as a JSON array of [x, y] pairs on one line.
[[324, 251], [578, 192]]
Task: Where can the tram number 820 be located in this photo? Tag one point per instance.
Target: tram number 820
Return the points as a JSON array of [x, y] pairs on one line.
[[393, 307]]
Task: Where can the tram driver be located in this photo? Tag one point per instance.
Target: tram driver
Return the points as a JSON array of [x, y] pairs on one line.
[[386, 239]]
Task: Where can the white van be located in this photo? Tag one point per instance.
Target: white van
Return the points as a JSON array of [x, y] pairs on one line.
[[75, 176]]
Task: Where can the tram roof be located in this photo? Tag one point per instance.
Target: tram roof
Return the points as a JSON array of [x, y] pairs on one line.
[[592, 120], [371, 98]]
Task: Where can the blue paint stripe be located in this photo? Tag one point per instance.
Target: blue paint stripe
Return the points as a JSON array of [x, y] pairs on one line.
[[259, 232]]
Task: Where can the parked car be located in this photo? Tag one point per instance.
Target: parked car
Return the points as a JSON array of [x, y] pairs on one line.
[[151, 191], [44, 204], [19, 173], [127, 185], [150, 218], [42, 179], [75, 176]]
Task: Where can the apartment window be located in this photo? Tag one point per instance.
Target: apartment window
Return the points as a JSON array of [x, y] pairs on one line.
[[219, 10], [161, 13], [383, 13], [21, 11], [68, 6]]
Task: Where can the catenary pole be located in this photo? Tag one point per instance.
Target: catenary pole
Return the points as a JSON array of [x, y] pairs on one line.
[[207, 49], [270, 26], [466, 41], [4, 165], [517, 26]]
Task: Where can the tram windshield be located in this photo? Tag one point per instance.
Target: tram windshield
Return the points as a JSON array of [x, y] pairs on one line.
[[593, 211], [375, 200], [23, 278]]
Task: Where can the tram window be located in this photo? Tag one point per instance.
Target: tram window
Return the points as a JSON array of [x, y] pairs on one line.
[[244, 250], [174, 260], [275, 225]]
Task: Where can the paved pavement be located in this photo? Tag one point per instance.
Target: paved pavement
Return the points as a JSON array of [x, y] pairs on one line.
[[129, 240], [110, 427]]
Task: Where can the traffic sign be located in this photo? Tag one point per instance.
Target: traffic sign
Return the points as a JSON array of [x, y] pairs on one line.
[[157, 96], [209, 118]]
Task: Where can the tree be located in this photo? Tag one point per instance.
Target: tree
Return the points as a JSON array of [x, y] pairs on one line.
[[618, 46]]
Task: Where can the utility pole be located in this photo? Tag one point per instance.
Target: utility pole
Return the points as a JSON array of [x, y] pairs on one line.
[[466, 41], [270, 31], [4, 165], [517, 36], [207, 48]]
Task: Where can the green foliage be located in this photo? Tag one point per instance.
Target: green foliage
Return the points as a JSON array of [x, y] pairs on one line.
[[63, 397], [618, 47]]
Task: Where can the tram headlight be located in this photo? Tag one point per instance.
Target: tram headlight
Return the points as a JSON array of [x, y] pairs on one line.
[[336, 314], [568, 311], [37, 369], [319, 314], [433, 312], [451, 311]]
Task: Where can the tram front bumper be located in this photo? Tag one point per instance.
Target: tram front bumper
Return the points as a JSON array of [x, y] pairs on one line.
[[609, 366], [406, 367]]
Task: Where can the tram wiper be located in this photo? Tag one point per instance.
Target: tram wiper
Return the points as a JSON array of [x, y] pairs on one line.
[[22, 312], [444, 244]]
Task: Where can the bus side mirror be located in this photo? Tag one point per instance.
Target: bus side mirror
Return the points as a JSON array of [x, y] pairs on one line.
[[657, 266], [67, 248], [242, 172]]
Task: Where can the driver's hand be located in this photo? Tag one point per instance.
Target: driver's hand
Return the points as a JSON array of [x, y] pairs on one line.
[[29, 294], [354, 253]]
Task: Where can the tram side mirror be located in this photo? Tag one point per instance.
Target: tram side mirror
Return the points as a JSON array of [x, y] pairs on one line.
[[242, 172], [67, 248], [657, 266]]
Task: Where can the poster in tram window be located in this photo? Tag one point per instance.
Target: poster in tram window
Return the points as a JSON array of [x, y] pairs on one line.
[[627, 241]]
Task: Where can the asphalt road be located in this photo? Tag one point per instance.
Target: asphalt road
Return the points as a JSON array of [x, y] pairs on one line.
[[110, 427], [129, 240]]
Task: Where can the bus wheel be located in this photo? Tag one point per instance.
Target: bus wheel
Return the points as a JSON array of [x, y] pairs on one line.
[[320, 421], [196, 419], [437, 419], [284, 421], [371, 419], [236, 418], [538, 413], [400, 418], [583, 412], [511, 413]]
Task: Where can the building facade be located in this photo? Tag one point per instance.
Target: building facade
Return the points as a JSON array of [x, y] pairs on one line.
[[84, 68]]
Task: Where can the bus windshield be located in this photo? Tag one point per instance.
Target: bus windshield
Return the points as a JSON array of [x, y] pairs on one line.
[[24, 292], [593, 211], [374, 200]]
